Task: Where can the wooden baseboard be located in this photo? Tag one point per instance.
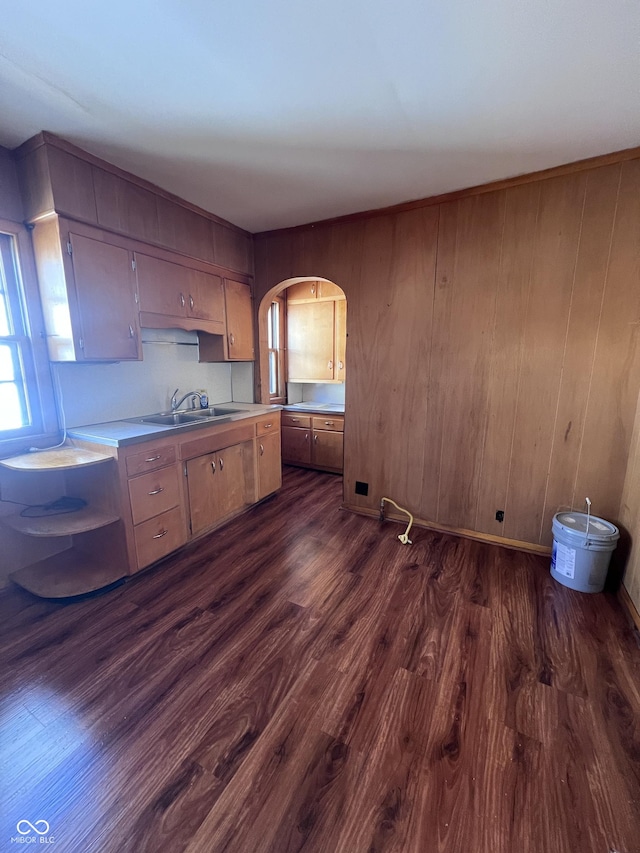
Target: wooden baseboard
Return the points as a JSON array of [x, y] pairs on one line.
[[631, 610], [514, 544]]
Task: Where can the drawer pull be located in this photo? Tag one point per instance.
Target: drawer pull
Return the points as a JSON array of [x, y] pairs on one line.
[[221, 461], [152, 458], [328, 423], [262, 450], [160, 535], [295, 420], [267, 426], [213, 466], [156, 491]]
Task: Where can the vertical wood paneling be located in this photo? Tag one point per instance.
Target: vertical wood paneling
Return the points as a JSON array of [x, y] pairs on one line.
[[552, 275], [591, 270], [510, 382], [469, 290], [399, 258], [615, 378], [521, 212]]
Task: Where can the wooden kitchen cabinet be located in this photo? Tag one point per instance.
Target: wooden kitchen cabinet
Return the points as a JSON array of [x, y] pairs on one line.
[[313, 441], [268, 456], [176, 296], [217, 485], [316, 341], [313, 290], [88, 291], [237, 344]]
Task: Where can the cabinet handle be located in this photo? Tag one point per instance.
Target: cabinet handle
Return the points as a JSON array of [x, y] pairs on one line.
[[152, 458], [156, 491], [330, 365], [340, 365], [306, 436], [232, 339], [130, 330], [262, 450], [315, 438], [267, 426], [313, 289], [213, 466], [328, 423], [221, 462], [191, 302], [160, 535], [182, 299]]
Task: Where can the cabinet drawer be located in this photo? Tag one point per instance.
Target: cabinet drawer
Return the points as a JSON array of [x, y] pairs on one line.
[[303, 421], [153, 493], [150, 459], [267, 424], [159, 536], [334, 424]]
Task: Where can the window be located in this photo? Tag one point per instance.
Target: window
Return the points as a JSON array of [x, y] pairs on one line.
[[26, 405], [275, 339]]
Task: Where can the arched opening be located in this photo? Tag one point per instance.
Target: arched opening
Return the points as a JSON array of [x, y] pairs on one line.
[[263, 372]]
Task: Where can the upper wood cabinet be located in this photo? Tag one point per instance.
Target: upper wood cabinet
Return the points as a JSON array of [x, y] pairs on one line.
[[88, 290], [179, 296], [57, 177], [237, 344], [313, 290], [316, 341]]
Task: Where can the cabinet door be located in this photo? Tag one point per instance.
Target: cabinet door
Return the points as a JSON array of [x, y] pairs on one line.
[[310, 341], [296, 445], [327, 450], [163, 287], [303, 291], [106, 298], [239, 320], [203, 484], [329, 290], [206, 297], [269, 464], [232, 491]]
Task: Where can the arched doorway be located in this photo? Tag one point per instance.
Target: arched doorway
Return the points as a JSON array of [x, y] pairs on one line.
[[262, 373]]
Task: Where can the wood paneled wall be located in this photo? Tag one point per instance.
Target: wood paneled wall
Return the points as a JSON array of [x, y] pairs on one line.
[[493, 347]]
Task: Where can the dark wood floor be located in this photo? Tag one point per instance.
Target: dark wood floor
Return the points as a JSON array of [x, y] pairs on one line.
[[302, 681]]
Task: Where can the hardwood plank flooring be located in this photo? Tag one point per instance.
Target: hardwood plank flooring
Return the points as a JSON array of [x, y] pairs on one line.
[[300, 681]]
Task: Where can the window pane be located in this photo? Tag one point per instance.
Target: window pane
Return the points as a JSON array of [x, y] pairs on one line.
[[6, 363], [273, 373], [10, 407], [270, 327], [5, 329]]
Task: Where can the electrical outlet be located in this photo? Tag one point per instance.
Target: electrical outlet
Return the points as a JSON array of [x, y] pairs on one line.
[[500, 515], [362, 488]]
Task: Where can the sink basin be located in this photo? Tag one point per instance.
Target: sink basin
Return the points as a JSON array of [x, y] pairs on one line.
[[172, 419], [213, 412]]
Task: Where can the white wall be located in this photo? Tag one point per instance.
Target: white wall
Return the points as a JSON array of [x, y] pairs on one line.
[[93, 393], [321, 392]]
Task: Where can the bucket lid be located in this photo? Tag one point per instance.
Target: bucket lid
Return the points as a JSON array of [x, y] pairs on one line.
[[576, 522]]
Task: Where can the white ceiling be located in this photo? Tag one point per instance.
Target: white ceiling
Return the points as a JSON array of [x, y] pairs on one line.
[[281, 112]]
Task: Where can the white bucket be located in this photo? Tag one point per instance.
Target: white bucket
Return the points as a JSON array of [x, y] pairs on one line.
[[582, 548]]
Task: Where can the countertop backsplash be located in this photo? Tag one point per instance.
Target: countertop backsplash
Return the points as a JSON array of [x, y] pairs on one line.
[[95, 393]]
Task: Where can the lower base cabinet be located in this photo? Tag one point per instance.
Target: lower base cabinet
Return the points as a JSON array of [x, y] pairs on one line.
[[313, 441], [269, 464], [217, 485]]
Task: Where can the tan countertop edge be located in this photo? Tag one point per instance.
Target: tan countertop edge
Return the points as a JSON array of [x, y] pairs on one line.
[[123, 432]]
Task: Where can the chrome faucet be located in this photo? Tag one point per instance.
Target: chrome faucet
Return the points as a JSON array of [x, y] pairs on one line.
[[175, 403]]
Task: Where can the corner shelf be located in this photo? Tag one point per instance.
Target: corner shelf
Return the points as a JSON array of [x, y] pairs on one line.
[[95, 557]]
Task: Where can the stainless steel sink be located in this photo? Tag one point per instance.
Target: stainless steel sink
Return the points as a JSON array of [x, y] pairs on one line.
[[171, 419], [213, 412]]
